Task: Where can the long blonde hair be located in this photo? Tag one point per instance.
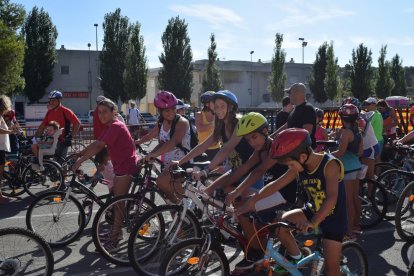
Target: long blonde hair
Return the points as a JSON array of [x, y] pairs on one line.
[[5, 104]]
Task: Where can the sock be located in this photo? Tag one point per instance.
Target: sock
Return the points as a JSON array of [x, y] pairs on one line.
[[297, 257]]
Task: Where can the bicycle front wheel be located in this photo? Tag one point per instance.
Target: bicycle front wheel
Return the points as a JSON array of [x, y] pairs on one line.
[[374, 200], [154, 232], [23, 252], [195, 256], [38, 182], [404, 214], [11, 185], [58, 220], [112, 224], [354, 260]]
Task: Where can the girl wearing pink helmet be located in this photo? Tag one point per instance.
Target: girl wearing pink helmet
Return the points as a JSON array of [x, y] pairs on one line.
[[350, 149]]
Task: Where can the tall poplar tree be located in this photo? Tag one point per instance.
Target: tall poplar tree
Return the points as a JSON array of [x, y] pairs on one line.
[[113, 55], [384, 83], [398, 75], [361, 72], [331, 82], [277, 77], [211, 81], [136, 65], [176, 74], [40, 53], [317, 77]]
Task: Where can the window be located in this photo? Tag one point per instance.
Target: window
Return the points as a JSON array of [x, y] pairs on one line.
[[64, 70]]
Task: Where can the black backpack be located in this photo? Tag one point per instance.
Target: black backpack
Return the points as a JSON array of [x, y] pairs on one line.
[[193, 132]]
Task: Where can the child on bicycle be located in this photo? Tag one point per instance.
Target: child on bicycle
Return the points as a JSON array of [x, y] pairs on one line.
[[254, 128], [44, 143], [320, 175], [105, 167]]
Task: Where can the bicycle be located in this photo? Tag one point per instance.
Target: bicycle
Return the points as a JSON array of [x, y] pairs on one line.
[[159, 228], [20, 177], [23, 252], [404, 214]]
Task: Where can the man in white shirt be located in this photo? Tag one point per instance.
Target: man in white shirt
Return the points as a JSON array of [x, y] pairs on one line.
[[133, 118]]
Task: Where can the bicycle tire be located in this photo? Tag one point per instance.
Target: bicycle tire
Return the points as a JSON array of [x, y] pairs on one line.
[[31, 251], [148, 241], [41, 218], [12, 187], [374, 206], [87, 205], [193, 246], [103, 224], [36, 183], [394, 181], [404, 214], [352, 251], [382, 167]]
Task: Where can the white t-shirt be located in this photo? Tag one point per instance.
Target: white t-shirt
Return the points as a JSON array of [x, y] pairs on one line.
[[134, 116], [4, 138]]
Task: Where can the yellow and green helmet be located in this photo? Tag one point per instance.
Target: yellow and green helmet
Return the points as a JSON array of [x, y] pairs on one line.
[[251, 122]]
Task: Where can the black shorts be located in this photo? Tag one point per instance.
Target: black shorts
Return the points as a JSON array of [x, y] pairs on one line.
[[273, 214], [327, 233], [2, 157]]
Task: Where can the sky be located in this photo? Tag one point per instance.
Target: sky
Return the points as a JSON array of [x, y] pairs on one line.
[[244, 26]]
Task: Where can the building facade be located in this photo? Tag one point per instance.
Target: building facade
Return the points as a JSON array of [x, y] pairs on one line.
[[76, 74]]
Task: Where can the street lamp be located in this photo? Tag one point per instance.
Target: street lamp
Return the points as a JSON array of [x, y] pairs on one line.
[[251, 78], [304, 44], [89, 78], [97, 58]]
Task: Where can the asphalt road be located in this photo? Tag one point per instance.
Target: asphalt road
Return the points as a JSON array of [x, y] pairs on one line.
[[387, 254]]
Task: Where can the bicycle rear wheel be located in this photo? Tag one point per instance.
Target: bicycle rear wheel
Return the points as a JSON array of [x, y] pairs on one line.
[[23, 252], [11, 186], [193, 257], [373, 198], [154, 233], [39, 182], [58, 220], [404, 214], [110, 233], [394, 181]]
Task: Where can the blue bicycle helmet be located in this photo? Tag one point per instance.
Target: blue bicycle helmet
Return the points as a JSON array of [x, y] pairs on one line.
[[207, 96], [227, 96], [55, 94]]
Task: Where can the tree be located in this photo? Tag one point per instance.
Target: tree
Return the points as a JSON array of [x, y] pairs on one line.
[[317, 77], [398, 75], [361, 72], [11, 47], [40, 53], [113, 55], [277, 77], [331, 82], [384, 83], [211, 81], [136, 68], [176, 75]]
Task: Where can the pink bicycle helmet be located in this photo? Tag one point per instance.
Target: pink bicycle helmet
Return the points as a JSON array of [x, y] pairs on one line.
[[165, 99]]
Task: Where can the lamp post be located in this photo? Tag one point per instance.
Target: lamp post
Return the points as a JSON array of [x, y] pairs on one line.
[[304, 44], [251, 78], [97, 57], [89, 78]]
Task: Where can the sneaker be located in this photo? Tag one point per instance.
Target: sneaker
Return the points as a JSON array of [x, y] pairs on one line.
[[244, 264], [280, 269]]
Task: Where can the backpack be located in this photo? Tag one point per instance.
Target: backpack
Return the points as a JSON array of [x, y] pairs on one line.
[[193, 132]]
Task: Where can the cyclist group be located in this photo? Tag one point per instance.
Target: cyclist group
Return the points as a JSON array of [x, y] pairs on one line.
[[261, 172]]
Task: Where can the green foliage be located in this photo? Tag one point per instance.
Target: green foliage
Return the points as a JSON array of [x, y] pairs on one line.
[[361, 72], [136, 68], [397, 73], [113, 55], [40, 55], [176, 75], [11, 48], [384, 83], [331, 78], [211, 81], [317, 77], [277, 77]]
